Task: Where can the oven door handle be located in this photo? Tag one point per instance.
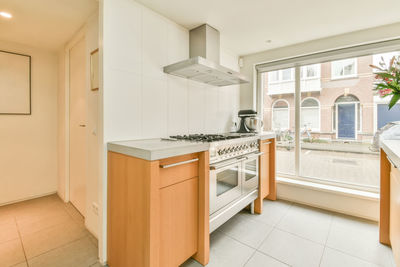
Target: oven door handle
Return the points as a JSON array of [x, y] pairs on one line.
[[254, 155], [221, 165]]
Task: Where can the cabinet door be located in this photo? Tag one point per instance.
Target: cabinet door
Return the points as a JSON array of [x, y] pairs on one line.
[[395, 213], [179, 207]]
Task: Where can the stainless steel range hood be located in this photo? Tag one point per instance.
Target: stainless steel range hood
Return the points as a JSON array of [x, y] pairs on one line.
[[203, 64]]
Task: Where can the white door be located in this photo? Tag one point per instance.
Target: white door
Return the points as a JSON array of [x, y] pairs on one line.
[[77, 126]]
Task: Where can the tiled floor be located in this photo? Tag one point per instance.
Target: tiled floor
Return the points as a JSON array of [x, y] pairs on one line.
[[288, 234], [45, 232]]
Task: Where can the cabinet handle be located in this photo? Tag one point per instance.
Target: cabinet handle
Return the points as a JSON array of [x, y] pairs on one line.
[[267, 143], [394, 165], [178, 163]]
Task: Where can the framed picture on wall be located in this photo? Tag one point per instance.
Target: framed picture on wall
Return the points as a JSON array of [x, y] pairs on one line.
[[94, 70], [15, 83]]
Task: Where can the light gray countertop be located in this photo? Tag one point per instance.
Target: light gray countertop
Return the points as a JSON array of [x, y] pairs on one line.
[[392, 150], [155, 149]]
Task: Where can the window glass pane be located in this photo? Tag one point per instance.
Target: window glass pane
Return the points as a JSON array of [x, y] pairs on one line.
[[286, 74], [273, 76], [336, 135], [279, 117]]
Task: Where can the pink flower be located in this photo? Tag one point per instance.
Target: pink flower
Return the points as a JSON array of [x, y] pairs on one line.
[[385, 92]]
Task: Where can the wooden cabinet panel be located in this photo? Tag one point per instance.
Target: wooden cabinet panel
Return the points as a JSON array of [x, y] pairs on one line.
[[394, 229], [179, 222], [266, 173]]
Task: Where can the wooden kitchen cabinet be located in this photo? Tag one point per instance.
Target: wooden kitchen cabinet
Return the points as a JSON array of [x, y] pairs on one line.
[[157, 210], [394, 228], [267, 183]]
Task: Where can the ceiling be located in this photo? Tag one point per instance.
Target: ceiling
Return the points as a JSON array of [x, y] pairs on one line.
[[48, 24], [246, 25]]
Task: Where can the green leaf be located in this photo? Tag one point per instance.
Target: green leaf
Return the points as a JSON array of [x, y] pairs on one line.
[[394, 100]]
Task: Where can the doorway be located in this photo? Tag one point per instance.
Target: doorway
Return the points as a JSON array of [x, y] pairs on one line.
[[77, 126], [346, 120]]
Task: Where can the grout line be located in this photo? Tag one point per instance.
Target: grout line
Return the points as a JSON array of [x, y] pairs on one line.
[[251, 256], [326, 241], [63, 245], [22, 244]]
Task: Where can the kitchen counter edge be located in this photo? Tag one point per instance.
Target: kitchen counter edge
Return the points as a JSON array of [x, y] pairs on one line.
[[392, 150], [156, 149]]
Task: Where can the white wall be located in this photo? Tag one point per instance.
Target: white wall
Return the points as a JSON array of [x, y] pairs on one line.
[[28, 143], [247, 97], [139, 99]]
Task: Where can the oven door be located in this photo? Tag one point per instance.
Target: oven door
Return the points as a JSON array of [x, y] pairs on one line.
[[225, 183], [250, 176]]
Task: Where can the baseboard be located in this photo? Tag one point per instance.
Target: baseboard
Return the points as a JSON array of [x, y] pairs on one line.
[[27, 198], [349, 204]]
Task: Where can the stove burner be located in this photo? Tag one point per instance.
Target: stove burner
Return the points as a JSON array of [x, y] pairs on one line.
[[204, 137]]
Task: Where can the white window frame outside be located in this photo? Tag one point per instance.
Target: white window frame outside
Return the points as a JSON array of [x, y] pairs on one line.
[[318, 72], [338, 77], [272, 114], [319, 112], [280, 76]]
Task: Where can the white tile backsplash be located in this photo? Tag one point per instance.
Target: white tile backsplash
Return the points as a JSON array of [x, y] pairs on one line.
[[140, 100]]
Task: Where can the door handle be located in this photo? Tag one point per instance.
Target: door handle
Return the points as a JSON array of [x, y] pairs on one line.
[[82, 125]]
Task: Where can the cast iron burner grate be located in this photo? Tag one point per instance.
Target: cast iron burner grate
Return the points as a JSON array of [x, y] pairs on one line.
[[203, 137]]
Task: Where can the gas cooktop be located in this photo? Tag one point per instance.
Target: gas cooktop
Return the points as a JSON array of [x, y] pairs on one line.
[[204, 137]]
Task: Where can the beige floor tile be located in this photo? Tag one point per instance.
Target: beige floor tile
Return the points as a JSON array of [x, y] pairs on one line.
[[307, 222], [334, 258], [6, 215], [80, 253], [35, 223], [74, 213], [262, 260], [291, 249], [8, 232], [51, 238], [22, 264], [273, 211], [245, 230], [359, 238], [94, 240], [11, 253], [227, 252]]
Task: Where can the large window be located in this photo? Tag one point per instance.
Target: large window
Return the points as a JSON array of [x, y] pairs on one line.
[[310, 114], [345, 68], [280, 115], [330, 142]]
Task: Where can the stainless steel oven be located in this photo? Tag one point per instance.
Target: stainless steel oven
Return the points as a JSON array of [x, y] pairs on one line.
[[232, 180]]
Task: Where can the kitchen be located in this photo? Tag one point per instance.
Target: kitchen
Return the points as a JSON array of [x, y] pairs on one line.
[[185, 173]]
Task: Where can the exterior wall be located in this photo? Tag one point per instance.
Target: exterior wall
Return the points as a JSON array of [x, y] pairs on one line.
[[360, 86]]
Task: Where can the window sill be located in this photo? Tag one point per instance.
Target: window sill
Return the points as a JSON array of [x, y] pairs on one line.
[[330, 188], [344, 78]]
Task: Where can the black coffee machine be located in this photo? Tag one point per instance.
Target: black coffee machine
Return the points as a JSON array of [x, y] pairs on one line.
[[243, 114]]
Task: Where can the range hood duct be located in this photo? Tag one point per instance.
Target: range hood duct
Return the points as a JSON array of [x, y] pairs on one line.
[[203, 64]]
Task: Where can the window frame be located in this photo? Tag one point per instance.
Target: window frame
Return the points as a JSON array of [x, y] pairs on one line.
[[272, 113], [316, 57], [339, 77], [319, 112], [318, 73]]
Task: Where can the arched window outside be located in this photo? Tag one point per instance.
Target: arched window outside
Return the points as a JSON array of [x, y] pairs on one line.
[[280, 115], [310, 114]]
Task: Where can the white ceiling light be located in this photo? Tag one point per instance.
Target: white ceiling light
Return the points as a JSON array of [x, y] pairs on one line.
[[5, 15]]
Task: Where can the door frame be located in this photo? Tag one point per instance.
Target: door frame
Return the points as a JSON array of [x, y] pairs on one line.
[[75, 39], [355, 120]]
